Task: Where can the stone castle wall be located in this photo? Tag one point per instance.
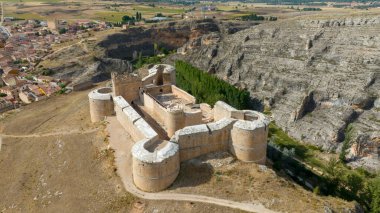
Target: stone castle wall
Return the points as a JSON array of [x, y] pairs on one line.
[[155, 109], [126, 85], [152, 171], [182, 94], [249, 141], [101, 104], [201, 139], [132, 122], [241, 132]]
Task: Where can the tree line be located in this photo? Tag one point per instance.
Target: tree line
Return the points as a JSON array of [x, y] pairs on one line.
[[209, 89], [254, 17]]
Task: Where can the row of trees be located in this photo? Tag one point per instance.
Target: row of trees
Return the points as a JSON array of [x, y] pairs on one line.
[[334, 177], [254, 17], [132, 19], [208, 88], [358, 185]]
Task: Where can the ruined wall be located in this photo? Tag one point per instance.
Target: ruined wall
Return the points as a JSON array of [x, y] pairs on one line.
[[160, 74], [183, 94], [152, 171], [148, 79], [222, 110], [193, 117], [156, 90], [172, 119], [242, 132], [132, 122], [200, 139], [101, 104], [126, 85], [156, 110], [249, 133]]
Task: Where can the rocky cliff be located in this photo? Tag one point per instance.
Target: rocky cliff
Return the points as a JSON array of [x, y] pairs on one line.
[[319, 76], [95, 58]]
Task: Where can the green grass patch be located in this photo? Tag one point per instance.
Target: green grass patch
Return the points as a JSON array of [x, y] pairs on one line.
[[158, 9], [304, 152], [26, 16], [112, 16], [42, 1]]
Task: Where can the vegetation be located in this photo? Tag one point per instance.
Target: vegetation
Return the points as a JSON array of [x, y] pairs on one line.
[[331, 178], [254, 17], [311, 9], [29, 77], [62, 31], [298, 2], [334, 177], [128, 19], [3, 95], [303, 152], [46, 71], [63, 88], [208, 88], [141, 60], [346, 143], [159, 15]]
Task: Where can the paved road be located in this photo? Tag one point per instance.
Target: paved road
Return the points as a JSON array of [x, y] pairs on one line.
[[121, 142]]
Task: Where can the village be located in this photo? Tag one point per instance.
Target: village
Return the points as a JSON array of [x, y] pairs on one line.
[[25, 43]]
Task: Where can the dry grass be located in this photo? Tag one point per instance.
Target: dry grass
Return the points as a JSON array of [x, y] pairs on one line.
[[222, 176], [73, 173]]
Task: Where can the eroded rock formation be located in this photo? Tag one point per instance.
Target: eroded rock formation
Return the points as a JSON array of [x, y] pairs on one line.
[[318, 76]]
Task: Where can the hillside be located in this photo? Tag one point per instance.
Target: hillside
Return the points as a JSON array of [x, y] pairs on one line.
[[52, 158], [319, 76]]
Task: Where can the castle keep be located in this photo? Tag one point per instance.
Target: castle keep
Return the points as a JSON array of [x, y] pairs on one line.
[[168, 126]]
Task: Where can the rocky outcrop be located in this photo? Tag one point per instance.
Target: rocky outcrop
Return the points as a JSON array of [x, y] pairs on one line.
[[94, 60], [170, 35], [316, 75]]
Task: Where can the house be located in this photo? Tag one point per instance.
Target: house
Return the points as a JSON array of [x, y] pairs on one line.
[[44, 79], [11, 91], [26, 97], [10, 80]]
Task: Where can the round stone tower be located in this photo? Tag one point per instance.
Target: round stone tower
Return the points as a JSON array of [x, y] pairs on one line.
[[155, 171], [101, 103], [249, 138]]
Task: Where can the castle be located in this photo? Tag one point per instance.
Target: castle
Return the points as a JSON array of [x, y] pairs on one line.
[[168, 126]]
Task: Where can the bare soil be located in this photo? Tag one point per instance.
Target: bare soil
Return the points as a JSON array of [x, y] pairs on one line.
[[66, 172], [220, 175]]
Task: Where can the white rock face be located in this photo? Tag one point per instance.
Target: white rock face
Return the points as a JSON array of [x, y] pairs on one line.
[[315, 92]]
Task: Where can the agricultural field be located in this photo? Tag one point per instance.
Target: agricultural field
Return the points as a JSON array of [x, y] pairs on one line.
[[103, 11], [113, 11]]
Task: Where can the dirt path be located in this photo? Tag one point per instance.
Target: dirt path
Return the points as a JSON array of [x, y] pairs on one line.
[[61, 133], [121, 142]]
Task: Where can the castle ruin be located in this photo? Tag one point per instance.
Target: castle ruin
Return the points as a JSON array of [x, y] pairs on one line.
[[168, 126]]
